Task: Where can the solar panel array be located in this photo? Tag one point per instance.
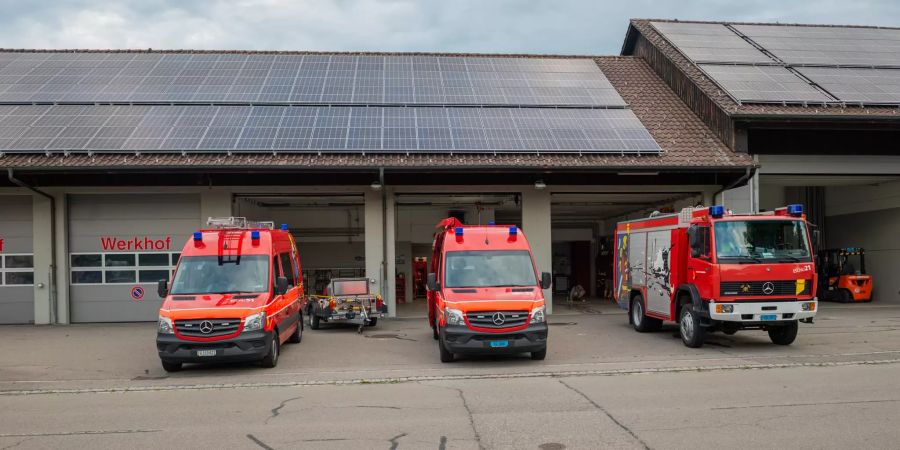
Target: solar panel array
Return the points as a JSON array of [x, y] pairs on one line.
[[233, 102], [794, 64]]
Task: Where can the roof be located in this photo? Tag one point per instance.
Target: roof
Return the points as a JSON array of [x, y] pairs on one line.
[[686, 143], [643, 27]]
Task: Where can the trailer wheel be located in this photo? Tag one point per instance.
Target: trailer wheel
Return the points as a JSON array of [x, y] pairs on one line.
[[271, 359], [171, 366], [313, 320], [784, 335], [639, 319], [692, 333]]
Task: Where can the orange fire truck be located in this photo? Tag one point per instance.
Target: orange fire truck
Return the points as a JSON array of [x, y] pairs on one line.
[[709, 270]]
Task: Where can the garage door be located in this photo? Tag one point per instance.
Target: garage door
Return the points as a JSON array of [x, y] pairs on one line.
[[120, 247], [16, 260]]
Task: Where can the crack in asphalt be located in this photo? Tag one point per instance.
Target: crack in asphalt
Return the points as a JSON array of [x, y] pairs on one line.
[[259, 442], [394, 440], [470, 415], [77, 433], [277, 410], [605, 412], [16, 444], [791, 405]]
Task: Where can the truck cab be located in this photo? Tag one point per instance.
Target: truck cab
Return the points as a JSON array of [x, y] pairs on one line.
[[484, 292], [237, 295]]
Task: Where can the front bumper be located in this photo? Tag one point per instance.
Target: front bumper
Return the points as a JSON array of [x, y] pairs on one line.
[[753, 311], [462, 340], [251, 346]]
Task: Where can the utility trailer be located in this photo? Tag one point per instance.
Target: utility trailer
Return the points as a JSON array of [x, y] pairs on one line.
[[346, 300]]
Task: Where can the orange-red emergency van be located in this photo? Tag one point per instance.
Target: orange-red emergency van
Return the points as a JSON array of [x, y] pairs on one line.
[[237, 295], [484, 293]]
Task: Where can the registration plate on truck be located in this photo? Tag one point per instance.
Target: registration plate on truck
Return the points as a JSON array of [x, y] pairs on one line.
[[499, 344], [768, 317], [206, 353]]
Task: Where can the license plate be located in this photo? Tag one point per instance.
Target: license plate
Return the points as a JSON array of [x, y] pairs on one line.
[[499, 344], [206, 353], [768, 317]]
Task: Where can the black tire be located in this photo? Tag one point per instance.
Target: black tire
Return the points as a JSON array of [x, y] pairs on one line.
[[784, 335], [692, 333], [639, 319], [539, 355], [314, 320], [372, 322], [434, 330], [844, 296], [171, 366], [297, 336], [271, 358], [446, 355]]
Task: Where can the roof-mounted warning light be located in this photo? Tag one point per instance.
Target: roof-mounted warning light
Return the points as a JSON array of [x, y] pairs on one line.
[[254, 235], [198, 236], [458, 231], [284, 227], [513, 230], [795, 210], [491, 222], [716, 211]]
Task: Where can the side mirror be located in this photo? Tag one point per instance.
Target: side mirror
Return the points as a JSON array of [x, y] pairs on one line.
[[431, 282], [546, 280], [162, 288], [281, 285]]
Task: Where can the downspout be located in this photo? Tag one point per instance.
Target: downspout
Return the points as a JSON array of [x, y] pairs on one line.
[[384, 240], [747, 175], [52, 278]]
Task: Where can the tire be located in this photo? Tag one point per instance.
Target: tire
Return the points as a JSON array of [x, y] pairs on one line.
[[314, 320], [171, 366], [784, 335], [297, 336], [639, 319], [692, 333], [446, 355], [539, 355], [844, 296], [372, 322], [271, 359], [434, 330]]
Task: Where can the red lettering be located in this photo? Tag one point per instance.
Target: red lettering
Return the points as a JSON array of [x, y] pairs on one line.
[[135, 243], [122, 245], [108, 243]]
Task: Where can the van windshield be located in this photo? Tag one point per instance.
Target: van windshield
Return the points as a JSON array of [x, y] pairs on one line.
[[213, 275], [754, 241], [489, 268]]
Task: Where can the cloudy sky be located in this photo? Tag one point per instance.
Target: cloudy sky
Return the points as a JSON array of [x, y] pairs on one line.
[[494, 26]]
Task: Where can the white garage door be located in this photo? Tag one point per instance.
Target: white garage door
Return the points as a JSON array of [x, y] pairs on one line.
[[16, 260], [120, 246]]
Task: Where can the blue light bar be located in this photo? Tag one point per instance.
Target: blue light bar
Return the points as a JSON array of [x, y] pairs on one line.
[[254, 235], [513, 230], [198, 236], [459, 231], [284, 227], [716, 211], [795, 210], [491, 222]]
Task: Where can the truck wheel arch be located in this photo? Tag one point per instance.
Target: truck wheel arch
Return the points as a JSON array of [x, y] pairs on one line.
[[686, 293], [631, 295]]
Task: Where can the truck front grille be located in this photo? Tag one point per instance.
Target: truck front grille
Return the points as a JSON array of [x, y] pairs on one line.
[[783, 287], [207, 327], [497, 319]]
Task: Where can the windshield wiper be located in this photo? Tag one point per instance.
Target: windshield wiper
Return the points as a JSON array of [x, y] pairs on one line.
[[753, 260], [789, 259]]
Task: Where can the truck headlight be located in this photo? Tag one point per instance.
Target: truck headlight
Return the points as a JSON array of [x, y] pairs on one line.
[[537, 315], [255, 322], [165, 326], [724, 309], [454, 317], [808, 306]]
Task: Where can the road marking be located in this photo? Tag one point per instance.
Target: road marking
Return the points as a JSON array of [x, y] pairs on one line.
[[413, 379]]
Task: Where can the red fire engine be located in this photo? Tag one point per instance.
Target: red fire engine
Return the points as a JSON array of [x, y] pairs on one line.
[[709, 270]]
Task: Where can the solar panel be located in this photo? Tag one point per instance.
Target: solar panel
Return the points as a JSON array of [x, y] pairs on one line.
[[297, 79], [763, 84], [857, 85], [710, 42], [828, 45], [111, 128]]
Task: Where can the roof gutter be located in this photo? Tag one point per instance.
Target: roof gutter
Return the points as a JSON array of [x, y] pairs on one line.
[[52, 275]]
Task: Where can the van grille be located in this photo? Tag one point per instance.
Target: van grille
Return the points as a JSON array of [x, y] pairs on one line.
[[219, 327], [486, 319], [785, 287]]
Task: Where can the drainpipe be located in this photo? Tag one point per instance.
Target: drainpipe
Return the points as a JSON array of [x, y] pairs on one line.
[[384, 241], [52, 278], [747, 175]]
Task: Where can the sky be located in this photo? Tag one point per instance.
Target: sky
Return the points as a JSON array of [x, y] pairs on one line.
[[595, 27]]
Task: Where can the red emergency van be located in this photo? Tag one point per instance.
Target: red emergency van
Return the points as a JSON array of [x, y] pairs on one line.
[[237, 295], [710, 270], [484, 294]]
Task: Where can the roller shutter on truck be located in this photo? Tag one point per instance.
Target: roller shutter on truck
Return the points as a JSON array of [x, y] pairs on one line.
[[16, 260], [120, 246]]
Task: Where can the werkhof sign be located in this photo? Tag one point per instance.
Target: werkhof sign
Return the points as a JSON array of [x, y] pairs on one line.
[[135, 243]]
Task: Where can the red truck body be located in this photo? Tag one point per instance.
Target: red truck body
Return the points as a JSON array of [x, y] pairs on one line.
[[736, 272]]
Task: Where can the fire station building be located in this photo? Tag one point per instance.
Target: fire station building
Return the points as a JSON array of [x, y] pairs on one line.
[[112, 158]]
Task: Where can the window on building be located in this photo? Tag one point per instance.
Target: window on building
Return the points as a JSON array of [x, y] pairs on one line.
[[16, 269], [122, 268]]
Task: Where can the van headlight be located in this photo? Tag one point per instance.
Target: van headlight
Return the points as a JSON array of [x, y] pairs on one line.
[[537, 315], [255, 322], [454, 316], [165, 326]]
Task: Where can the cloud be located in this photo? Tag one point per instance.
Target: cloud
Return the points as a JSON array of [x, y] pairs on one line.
[[494, 26]]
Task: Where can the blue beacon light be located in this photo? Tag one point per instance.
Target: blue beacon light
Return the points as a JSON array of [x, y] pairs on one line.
[[717, 211]]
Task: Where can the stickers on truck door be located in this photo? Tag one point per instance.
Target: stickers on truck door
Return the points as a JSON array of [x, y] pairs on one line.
[[659, 287]]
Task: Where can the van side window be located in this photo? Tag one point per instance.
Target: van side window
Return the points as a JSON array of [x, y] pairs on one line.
[[287, 269], [698, 239]]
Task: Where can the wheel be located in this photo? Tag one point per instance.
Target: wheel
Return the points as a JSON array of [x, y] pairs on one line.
[[434, 330], [372, 322], [692, 334], [314, 320], [297, 336], [539, 355], [271, 359], [845, 296], [784, 335], [639, 319], [171, 366], [446, 356]]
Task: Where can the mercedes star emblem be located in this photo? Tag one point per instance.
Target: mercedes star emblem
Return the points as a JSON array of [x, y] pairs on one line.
[[206, 327], [498, 318], [768, 288]]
